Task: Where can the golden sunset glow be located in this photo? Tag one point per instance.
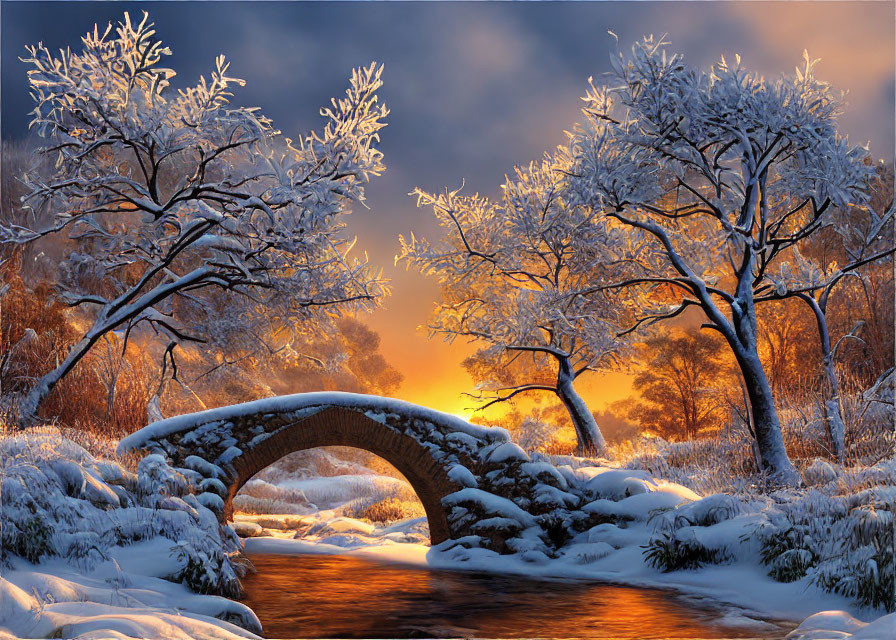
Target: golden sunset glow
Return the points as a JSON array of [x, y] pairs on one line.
[[448, 319]]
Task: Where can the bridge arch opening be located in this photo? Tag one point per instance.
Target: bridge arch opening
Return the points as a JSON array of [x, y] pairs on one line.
[[342, 481], [337, 426]]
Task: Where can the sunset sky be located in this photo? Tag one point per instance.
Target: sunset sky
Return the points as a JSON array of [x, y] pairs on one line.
[[473, 89]]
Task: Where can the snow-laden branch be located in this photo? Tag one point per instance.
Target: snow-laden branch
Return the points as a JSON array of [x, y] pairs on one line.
[[187, 207], [522, 275], [725, 173]]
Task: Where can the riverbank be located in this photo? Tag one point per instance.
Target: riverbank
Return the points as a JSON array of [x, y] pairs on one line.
[[309, 596], [92, 549], [715, 547]]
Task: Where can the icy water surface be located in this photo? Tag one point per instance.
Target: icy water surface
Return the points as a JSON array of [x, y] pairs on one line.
[[310, 596]]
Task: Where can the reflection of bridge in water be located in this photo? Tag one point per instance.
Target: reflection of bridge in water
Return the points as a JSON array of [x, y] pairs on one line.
[[455, 467]]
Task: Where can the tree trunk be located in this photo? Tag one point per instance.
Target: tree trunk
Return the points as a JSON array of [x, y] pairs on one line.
[[590, 439], [32, 401], [112, 316], [833, 408], [766, 424]]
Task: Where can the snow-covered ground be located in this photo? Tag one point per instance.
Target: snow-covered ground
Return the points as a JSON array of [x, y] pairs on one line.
[[839, 625], [93, 550], [53, 600]]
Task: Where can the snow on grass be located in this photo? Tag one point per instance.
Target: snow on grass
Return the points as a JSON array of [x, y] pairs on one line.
[[51, 601]]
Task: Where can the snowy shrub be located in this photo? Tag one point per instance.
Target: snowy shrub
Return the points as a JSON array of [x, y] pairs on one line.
[[533, 434], [674, 550], [391, 509], [86, 550], [788, 552], [865, 566], [843, 543], [881, 474], [821, 472], [156, 480], [208, 569], [709, 510], [556, 528], [28, 538], [58, 500]]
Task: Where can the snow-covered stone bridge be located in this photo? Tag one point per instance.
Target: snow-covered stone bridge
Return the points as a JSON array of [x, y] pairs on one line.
[[476, 486]]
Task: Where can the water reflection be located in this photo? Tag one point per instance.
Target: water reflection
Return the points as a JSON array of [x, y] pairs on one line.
[[344, 597]]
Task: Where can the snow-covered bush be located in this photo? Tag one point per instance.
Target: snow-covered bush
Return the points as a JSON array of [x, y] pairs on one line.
[[391, 509], [533, 434], [845, 544], [787, 551], [674, 550], [676, 542], [58, 500], [821, 472], [709, 510], [208, 568], [838, 535], [28, 538]]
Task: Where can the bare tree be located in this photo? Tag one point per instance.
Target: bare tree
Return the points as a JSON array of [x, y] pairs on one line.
[[170, 196], [680, 385]]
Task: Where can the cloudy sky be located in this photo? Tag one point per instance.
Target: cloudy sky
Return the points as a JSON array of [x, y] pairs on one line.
[[474, 89]]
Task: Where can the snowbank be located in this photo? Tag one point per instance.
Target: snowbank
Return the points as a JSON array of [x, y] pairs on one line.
[[838, 625]]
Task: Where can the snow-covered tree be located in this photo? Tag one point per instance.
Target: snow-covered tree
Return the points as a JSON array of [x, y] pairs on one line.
[[346, 357], [865, 237], [725, 172], [521, 275], [183, 213]]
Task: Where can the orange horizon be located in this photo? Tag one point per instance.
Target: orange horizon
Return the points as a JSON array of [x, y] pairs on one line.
[[433, 375]]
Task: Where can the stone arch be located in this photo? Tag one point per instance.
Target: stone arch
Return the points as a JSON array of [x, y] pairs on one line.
[[338, 426], [221, 449], [476, 486]]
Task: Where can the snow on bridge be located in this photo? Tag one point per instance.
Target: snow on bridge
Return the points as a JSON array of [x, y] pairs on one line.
[[478, 488]]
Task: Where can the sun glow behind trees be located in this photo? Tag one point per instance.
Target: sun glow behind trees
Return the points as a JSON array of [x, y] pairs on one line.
[[434, 386]]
